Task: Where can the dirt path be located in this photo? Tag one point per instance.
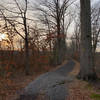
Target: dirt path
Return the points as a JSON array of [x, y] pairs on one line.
[[82, 90], [51, 85], [66, 68], [60, 79]]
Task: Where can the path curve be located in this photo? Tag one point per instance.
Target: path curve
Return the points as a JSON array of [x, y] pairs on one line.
[[50, 85]]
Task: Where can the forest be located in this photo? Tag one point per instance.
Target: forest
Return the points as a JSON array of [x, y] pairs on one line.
[[49, 49]]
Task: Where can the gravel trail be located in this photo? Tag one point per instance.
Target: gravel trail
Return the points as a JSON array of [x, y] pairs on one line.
[[50, 85]]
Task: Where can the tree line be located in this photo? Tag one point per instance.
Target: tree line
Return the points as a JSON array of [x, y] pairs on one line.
[[50, 27]]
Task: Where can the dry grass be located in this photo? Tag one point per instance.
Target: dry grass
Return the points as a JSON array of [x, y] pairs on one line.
[[78, 90], [81, 90]]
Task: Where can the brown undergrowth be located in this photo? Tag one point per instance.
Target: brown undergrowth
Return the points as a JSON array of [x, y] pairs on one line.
[[78, 89], [82, 90]]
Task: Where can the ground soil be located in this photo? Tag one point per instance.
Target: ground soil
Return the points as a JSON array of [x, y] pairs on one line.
[[82, 90], [78, 89]]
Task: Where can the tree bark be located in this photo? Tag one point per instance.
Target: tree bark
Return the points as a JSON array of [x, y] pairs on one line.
[[87, 71], [26, 57], [60, 45]]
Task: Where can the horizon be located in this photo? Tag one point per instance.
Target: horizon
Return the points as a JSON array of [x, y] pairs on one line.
[[69, 34]]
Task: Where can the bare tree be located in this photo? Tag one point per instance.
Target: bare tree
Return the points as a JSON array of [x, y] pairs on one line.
[[76, 38], [55, 12], [87, 71], [95, 27], [14, 21]]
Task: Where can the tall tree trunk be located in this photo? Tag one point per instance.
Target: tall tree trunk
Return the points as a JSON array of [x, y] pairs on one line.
[[26, 57], [60, 43], [26, 47], [87, 71]]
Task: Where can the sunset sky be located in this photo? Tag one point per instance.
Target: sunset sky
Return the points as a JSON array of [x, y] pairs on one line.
[[2, 36], [71, 29]]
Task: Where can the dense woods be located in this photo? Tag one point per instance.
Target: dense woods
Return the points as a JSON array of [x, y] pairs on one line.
[[40, 35]]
